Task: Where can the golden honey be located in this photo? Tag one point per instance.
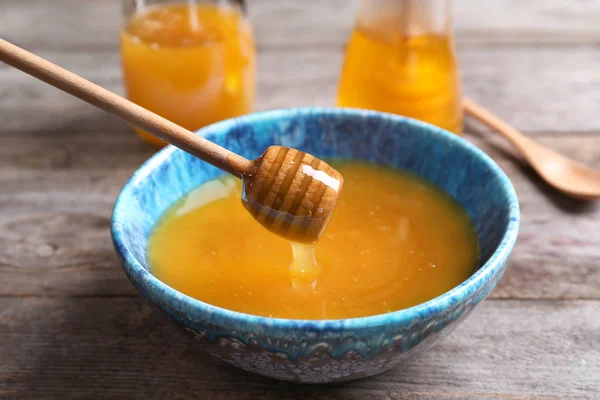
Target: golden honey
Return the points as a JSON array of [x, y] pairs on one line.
[[193, 64], [411, 75], [394, 241]]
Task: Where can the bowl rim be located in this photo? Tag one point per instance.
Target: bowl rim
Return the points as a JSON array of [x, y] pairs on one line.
[[457, 294]]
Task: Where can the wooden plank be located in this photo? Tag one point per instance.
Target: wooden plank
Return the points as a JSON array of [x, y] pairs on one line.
[[534, 21], [56, 196], [492, 22], [57, 192], [93, 24], [537, 89], [559, 238], [118, 348]]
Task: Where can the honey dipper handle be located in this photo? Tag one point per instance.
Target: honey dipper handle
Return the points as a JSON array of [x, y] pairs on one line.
[[125, 109]]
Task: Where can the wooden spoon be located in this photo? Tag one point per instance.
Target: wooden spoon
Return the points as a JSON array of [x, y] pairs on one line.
[[289, 192], [568, 176]]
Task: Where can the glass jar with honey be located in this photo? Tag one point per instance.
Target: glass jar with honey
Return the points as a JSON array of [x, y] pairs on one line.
[[401, 59], [190, 61]]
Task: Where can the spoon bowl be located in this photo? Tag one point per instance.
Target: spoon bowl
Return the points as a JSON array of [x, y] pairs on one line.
[[564, 174], [568, 176]]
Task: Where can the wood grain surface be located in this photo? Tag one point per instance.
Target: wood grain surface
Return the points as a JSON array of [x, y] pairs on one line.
[[538, 89], [71, 325], [119, 347], [307, 23]]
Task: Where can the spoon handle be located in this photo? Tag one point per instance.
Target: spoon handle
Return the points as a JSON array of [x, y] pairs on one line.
[[124, 109], [482, 115]]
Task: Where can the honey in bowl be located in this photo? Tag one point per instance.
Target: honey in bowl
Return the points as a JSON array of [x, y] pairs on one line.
[[193, 64], [394, 241]]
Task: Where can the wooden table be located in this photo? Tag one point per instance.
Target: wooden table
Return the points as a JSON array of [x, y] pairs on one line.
[[71, 325]]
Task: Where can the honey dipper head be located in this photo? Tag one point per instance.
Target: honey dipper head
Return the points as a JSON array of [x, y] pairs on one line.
[[292, 193]]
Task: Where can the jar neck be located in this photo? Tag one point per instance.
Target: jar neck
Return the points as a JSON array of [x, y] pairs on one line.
[[405, 17]]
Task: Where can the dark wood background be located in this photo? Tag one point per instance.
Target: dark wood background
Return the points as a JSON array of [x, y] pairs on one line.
[[71, 325]]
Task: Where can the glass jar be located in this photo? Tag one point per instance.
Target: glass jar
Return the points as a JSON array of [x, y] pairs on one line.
[[190, 61], [401, 59]]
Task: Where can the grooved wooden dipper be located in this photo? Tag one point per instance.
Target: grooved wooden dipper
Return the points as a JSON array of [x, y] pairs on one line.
[[289, 192]]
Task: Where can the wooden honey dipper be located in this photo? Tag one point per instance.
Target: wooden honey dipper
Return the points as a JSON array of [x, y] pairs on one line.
[[289, 192]]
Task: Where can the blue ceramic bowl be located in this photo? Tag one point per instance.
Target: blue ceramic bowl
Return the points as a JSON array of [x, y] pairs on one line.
[[324, 350]]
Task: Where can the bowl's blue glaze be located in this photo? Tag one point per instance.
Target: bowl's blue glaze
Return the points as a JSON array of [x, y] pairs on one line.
[[328, 350]]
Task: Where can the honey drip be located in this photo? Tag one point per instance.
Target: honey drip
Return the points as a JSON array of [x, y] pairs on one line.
[[304, 269]]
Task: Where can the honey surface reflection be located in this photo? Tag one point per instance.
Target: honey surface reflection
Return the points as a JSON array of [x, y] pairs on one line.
[[394, 241]]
